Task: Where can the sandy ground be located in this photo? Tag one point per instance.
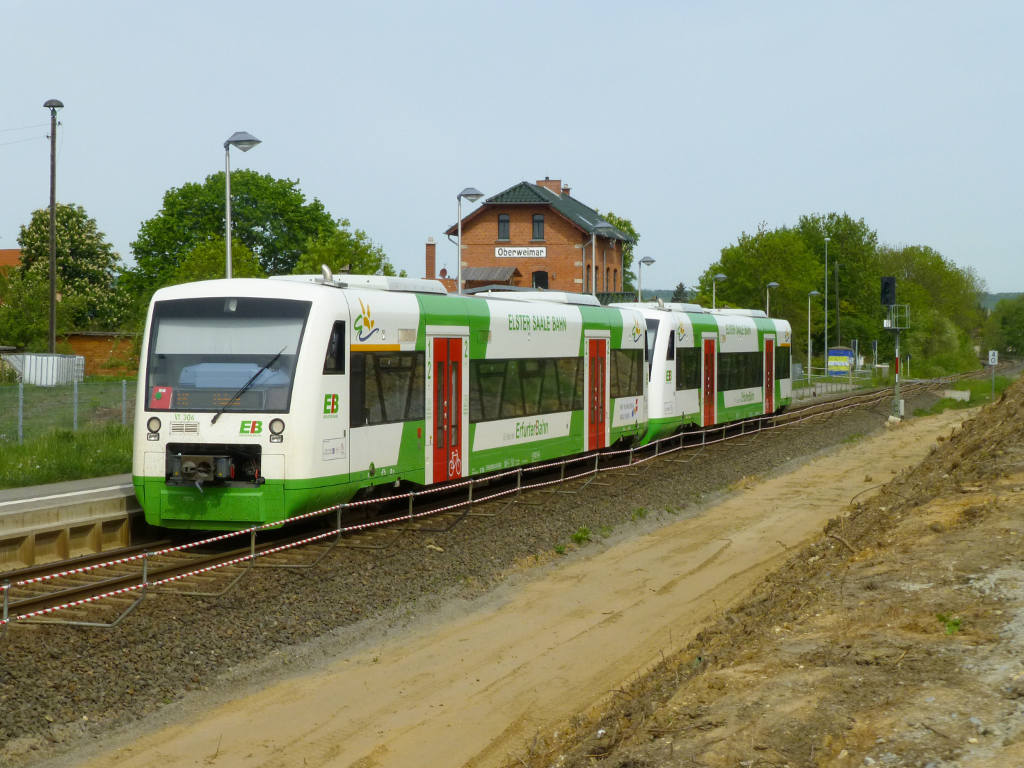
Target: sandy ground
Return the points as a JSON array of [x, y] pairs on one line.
[[474, 688]]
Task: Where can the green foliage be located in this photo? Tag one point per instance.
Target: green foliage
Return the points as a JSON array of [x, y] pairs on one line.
[[581, 535], [1004, 328], [87, 273], [951, 622], [779, 255], [206, 261], [981, 393], [344, 250], [628, 248], [270, 216], [65, 455], [681, 294], [944, 315]]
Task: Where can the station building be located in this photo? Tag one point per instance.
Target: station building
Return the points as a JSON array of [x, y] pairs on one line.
[[539, 236]]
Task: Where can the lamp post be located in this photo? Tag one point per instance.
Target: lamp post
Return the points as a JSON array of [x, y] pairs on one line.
[[53, 105], [243, 141], [826, 296], [812, 293], [472, 194], [714, 286], [839, 324], [768, 297], [646, 261]]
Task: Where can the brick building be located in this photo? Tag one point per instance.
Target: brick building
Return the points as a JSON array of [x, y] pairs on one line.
[[10, 258], [536, 235]]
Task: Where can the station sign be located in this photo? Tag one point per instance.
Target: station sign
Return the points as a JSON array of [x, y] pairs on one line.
[[506, 252]]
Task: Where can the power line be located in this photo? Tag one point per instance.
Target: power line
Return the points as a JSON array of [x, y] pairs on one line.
[[21, 141], [23, 128]]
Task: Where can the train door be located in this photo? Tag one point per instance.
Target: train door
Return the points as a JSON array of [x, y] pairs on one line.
[[708, 393], [769, 374], [447, 400], [597, 393]]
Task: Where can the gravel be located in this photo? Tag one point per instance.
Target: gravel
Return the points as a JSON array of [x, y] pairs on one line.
[[60, 686]]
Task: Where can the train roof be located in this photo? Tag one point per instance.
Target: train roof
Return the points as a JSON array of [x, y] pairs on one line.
[[557, 297], [376, 282]]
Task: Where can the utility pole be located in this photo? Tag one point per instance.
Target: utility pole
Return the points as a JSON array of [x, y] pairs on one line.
[[53, 105]]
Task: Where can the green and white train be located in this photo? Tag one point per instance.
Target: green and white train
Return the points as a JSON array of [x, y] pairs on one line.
[[262, 399], [713, 366]]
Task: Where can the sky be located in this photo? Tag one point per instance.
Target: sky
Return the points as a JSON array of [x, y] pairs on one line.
[[697, 120]]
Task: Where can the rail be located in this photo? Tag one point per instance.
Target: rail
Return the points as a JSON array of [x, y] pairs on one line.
[[517, 480]]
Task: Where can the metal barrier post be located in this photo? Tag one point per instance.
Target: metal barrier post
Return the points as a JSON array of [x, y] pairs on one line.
[[7, 590], [74, 397], [21, 412], [124, 402]]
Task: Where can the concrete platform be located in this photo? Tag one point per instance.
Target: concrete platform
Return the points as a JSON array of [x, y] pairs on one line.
[[43, 523]]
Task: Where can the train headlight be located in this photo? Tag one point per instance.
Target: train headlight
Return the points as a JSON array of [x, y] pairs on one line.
[[153, 425], [276, 428]]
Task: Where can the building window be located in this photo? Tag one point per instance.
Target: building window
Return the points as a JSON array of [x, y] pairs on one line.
[[538, 226], [503, 226]]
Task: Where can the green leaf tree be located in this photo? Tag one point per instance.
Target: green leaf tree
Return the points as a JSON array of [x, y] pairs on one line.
[[344, 250], [628, 248], [1004, 328], [88, 269], [206, 262], [270, 216]]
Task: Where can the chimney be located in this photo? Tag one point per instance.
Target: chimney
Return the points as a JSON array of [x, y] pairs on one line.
[[565, 190], [431, 258], [555, 185]]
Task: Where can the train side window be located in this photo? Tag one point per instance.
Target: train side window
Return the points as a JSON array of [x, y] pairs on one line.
[[670, 350], [334, 360], [782, 364], [627, 369], [688, 368]]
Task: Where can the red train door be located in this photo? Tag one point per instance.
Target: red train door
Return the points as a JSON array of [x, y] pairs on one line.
[[447, 409], [709, 382], [597, 395], [769, 375]]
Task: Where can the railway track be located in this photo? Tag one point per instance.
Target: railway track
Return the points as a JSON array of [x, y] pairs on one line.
[[102, 590]]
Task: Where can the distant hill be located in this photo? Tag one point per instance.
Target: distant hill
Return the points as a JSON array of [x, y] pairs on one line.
[[989, 300]]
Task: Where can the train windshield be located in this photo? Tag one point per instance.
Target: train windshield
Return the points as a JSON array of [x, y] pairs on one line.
[[225, 353]]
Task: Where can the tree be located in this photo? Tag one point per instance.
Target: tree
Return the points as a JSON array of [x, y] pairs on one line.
[[681, 294], [87, 268], [779, 256], [1004, 329], [343, 250], [206, 262], [24, 311], [271, 216], [628, 247]]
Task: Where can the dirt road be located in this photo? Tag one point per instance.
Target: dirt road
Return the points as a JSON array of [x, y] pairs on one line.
[[472, 688]]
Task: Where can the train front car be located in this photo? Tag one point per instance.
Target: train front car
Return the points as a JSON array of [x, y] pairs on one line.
[[216, 388]]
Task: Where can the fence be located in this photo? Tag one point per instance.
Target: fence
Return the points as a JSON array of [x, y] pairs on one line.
[[820, 382], [28, 411]]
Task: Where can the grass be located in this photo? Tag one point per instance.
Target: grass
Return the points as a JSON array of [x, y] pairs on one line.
[[62, 454], [981, 394], [952, 623]]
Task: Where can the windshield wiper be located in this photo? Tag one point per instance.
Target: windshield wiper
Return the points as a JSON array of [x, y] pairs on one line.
[[247, 384]]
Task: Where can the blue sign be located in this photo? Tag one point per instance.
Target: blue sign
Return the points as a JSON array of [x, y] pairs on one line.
[[840, 361]]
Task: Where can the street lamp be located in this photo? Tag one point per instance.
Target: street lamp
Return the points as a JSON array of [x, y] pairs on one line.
[[768, 297], [472, 194], [243, 141], [646, 261], [812, 293], [714, 285], [826, 296], [53, 105]]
